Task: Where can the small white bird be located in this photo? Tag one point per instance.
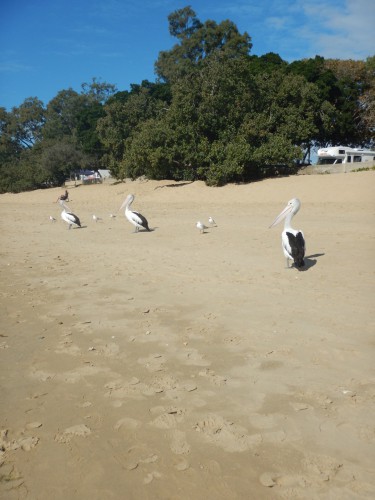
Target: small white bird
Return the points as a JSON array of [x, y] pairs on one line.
[[201, 227], [212, 221], [112, 216], [52, 219], [96, 218]]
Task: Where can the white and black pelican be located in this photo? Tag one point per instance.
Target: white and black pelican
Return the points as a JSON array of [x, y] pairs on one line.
[[212, 221], [135, 218], [201, 226], [292, 240], [68, 216]]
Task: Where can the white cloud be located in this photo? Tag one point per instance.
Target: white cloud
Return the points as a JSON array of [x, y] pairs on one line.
[[296, 29], [342, 30]]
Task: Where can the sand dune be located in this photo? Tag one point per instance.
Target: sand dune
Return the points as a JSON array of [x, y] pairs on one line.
[[176, 365]]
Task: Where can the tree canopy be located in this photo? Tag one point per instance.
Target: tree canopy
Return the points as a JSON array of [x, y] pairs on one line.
[[215, 113]]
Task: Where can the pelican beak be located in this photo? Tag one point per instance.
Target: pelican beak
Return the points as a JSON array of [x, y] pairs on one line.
[[281, 215]]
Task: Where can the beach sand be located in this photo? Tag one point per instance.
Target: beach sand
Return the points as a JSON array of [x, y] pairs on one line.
[[175, 365]]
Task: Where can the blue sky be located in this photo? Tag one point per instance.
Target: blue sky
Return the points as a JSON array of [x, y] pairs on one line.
[[52, 45]]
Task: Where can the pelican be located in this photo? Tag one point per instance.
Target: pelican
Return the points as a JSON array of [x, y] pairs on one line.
[[292, 240], [135, 218], [68, 216], [201, 226], [212, 221], [64, 197]]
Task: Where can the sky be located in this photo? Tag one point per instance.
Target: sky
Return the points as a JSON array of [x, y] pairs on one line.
[[53, 45]]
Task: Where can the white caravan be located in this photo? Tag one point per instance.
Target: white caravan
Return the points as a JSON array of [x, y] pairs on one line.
[[343, 154]]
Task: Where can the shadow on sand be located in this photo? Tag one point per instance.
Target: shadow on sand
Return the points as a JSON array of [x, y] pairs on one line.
[[310, 261]]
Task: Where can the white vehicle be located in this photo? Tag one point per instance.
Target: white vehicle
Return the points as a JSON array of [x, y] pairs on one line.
[[343, 154]]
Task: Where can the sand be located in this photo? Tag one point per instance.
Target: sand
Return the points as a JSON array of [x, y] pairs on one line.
[[176, 365]]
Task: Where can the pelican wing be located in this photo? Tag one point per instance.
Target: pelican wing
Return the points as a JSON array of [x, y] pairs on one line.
[[72, 219], [140, 220], [296, 247]]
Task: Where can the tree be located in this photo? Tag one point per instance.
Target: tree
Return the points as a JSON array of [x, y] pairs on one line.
[[62, 114], [125, 115], [198, 41], [98, 91], [86, 133], [58, 160], [25, 123], [356, 79]]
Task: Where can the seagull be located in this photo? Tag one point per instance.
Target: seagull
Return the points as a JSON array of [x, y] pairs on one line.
[[96, 218], [212, 221], [292, 240], [69, 217], [112, 216], [135, 218], [52, 219], [201, 227]]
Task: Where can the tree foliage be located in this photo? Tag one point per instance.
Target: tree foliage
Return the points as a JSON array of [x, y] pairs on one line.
[[215, 113]]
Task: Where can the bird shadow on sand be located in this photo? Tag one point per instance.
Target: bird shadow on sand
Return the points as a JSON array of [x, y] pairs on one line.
[[310, 261]]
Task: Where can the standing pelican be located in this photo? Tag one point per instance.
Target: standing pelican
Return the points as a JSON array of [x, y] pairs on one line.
[[135, 218], [292, 240], [69, 217]]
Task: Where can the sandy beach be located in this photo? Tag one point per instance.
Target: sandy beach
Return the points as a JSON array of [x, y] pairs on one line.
[[176, 365]]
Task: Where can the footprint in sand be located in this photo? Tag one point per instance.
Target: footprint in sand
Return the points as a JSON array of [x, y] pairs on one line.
[[80, 430], [153, 363], [168, 418], [127, 424], [192, 357], [164, 382], [227, 435], [67, 347], [132, 458], [134, 388], [212, 377], [317, 470], [25, 443], [178, 444]]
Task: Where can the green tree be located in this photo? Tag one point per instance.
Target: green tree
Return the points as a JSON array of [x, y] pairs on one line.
[[198, 41], [58, 159], [62, 114], [125, 114], [86, 133], [98, 91]]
